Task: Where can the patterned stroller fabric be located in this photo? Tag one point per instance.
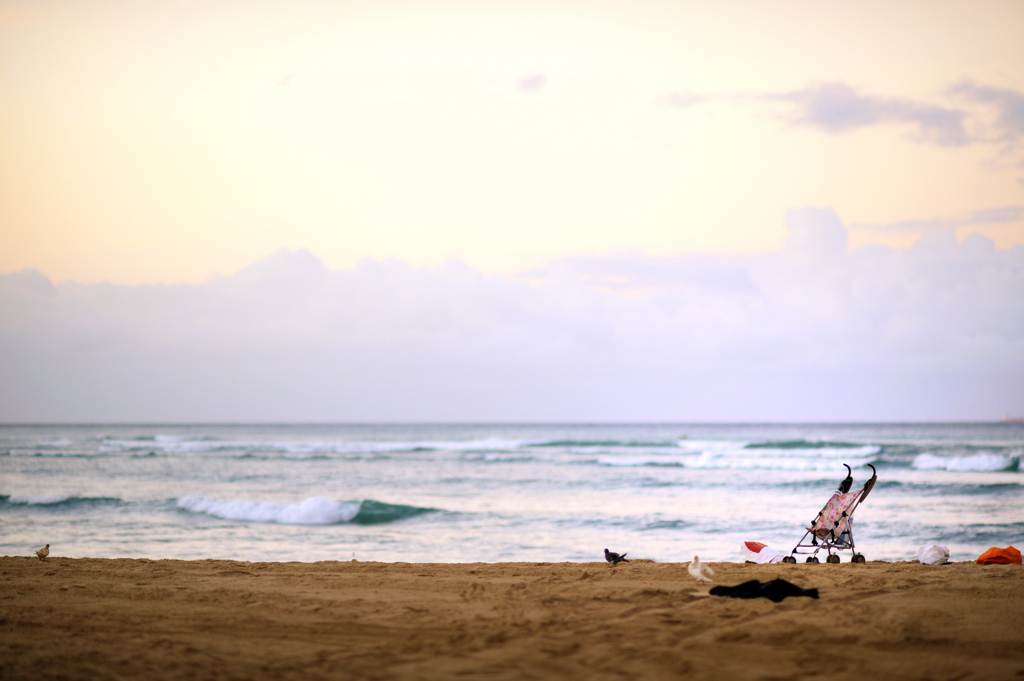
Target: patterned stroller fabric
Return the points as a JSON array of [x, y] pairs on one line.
[[833, 513], [832, 529]]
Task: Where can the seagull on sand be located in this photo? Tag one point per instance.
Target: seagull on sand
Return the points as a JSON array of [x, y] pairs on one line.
[[615, 558], [700, 571], [43, 552]]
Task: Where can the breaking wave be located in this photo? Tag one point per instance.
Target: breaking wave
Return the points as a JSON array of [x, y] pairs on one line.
[[978, 462], [42, 501], [312, 511], [803, 444]]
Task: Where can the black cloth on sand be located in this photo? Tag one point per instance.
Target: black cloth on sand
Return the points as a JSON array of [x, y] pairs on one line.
[[775, 590]]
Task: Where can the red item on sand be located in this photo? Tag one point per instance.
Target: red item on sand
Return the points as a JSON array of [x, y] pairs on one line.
[[998, 556]]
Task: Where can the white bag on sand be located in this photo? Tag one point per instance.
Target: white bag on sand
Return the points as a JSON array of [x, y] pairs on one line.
[[756, 552], [933, 554]]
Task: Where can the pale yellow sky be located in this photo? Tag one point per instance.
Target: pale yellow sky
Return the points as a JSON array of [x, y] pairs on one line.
[[171, 141]]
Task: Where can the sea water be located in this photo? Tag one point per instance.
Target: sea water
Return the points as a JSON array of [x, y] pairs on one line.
[[462, 493]]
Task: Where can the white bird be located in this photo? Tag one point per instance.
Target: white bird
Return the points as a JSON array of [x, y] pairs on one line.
[[43, 552], [700, 571]]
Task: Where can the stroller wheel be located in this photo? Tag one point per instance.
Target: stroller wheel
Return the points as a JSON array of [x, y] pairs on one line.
[[813, 559], [858, 558], [832, 559], [788, 559]]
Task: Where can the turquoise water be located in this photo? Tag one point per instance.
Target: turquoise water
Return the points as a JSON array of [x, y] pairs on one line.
[[459, 493]]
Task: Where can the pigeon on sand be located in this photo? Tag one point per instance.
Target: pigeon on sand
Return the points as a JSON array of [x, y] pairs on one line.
[[700, 571], [615, 558], [43, 552]]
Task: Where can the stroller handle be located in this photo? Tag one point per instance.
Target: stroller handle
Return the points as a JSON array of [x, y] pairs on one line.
[[869, 485]]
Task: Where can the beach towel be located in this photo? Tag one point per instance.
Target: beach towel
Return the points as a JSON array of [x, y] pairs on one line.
[[756, 552], [933, 554], [998, 556], [775, 590]]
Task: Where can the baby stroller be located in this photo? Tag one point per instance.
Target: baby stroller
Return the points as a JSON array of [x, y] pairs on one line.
[[832, 529]]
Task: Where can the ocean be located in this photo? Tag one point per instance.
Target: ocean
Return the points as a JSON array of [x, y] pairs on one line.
[[468, 493]]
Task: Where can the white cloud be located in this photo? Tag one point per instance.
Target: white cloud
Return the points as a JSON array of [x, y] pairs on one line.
[[837, 108], [993, 115], [684, 100], [988, 216], [813, 332], [1008, 105], [530, 84]]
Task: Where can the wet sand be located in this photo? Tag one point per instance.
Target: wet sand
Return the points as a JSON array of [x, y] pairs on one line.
[[211, 619]]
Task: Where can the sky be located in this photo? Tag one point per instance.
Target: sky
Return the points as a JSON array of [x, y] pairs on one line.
[[340, 211]]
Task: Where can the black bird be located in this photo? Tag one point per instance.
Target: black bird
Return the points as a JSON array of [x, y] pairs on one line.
[[615, 558], [845, 485]]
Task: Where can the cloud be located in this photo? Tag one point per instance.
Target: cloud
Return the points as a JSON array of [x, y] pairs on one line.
[[816, 232], [987, 216], [997, 114], [1008, 123], [684, 100], [837, 108], [528, 85], [813, 332]]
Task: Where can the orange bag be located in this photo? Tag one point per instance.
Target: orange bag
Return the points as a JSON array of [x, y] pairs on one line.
[[998, 556]]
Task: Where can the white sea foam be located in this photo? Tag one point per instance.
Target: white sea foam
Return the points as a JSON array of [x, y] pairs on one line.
[[384, 447], [311, 511], [745, 460], [507, 457], [812, 452], [311, 448], [786, 462], [171, 444], [978, 462], [628, 461], [712, 445], [733, 455], [625, 450]]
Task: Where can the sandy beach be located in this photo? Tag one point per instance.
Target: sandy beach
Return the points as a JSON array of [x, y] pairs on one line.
[[135, 618]]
